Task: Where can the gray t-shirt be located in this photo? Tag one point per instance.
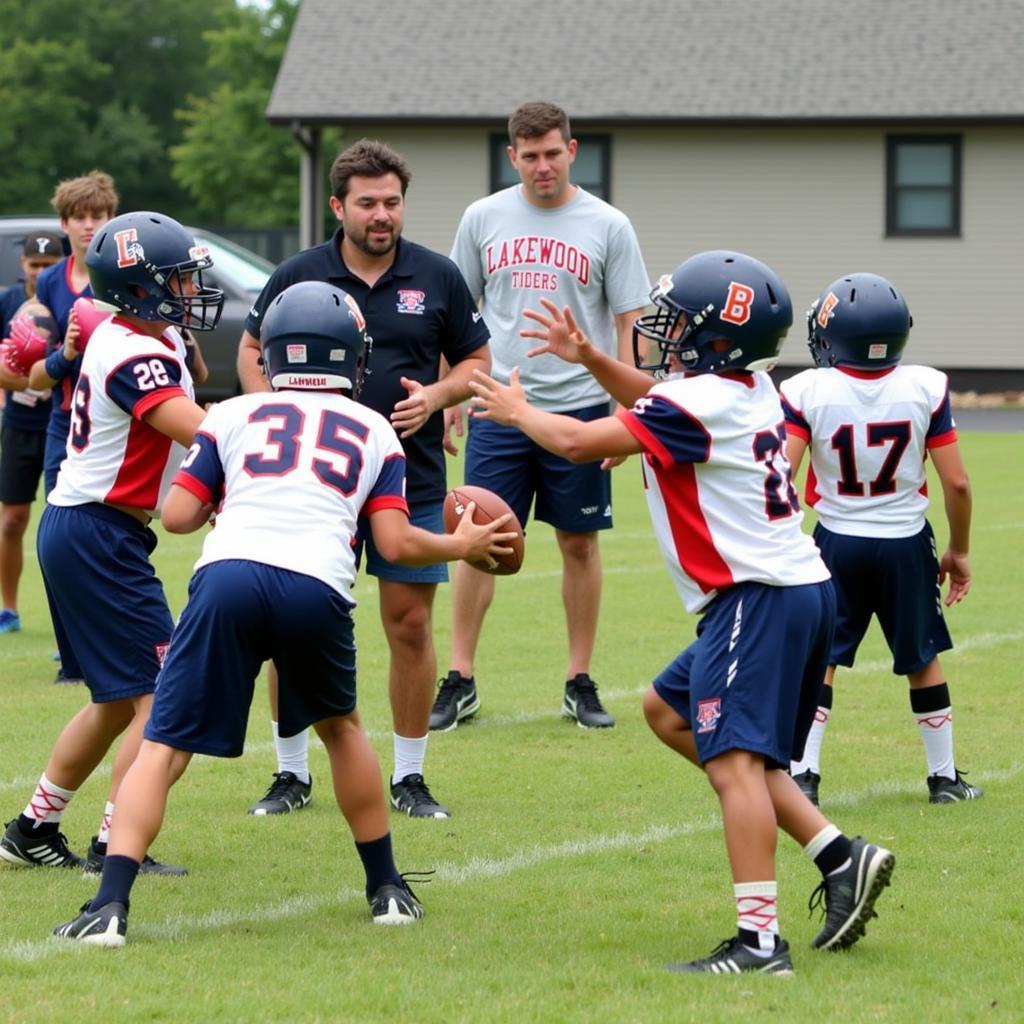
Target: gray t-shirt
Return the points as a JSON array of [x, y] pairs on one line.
[[584, 255]]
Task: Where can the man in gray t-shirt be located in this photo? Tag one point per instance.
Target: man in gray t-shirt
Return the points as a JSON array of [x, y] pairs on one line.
[[544, 239]]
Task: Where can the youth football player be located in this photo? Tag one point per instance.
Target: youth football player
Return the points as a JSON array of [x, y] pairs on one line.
[[290, 472], [132, 413], [870, 422], [739, 700]]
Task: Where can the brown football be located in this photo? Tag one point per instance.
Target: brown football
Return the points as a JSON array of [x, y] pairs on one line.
[[488, 507]]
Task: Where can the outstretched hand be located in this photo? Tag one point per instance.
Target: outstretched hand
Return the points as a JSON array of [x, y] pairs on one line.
[[560, 333], [499, 402]]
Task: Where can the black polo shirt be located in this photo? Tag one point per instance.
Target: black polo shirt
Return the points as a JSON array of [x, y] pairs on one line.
[[419, 310]]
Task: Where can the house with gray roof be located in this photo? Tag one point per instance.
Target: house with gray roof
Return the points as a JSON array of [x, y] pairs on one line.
[[823, 137]]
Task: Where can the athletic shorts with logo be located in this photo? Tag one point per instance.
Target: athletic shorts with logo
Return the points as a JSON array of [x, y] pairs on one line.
[[752, 679]]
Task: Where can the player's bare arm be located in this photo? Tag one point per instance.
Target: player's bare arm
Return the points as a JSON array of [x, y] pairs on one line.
[[183, 511], [956, 492], [561, 336], [399, 541], [424, 400], [795, 448], [178, 418], [563, 435], [250, 373]]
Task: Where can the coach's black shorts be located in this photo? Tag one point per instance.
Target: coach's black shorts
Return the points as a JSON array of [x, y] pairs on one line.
[[21, 465], [896, 579]]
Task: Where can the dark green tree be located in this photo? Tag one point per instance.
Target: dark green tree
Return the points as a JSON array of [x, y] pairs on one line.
[[236, 168], [99, 85]]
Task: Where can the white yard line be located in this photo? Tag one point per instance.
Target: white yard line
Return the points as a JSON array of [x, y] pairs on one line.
[[981, 641], [181, 926]]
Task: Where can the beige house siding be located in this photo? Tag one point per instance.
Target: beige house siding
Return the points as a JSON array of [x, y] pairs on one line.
[[810, 201]]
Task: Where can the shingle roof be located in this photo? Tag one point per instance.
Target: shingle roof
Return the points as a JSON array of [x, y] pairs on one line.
[[654, 60]]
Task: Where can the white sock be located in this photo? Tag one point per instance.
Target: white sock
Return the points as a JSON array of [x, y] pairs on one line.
[[756, 911], [410, 753], [811, 761], [104, 835], [821, 840], [48, 802], [936, 728], [292, 753]]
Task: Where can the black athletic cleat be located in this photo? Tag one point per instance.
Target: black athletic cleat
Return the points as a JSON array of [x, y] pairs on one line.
[[106, 926], [733, 957], [582, 703], [456, 699], [287, 793], [848, 897], [412, 796], [37, 851], [61, 679], [951, 791], [95, 857], [808, 782], [395, 904]]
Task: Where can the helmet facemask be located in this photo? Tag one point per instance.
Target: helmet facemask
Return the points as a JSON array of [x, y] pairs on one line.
[[199, 311]]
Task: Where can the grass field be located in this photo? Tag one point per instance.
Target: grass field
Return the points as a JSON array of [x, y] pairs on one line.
[[576, 864]]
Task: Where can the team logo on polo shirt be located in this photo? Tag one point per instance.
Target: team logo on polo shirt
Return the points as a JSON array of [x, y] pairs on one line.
[[411, 301], [708, 713]]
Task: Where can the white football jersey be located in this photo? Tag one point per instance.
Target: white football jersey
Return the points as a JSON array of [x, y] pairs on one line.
[[868, 434], [113, 455], [718, 485], [292, 472]]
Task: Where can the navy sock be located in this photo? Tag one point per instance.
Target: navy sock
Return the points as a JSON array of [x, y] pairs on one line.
[[378, 863], [835, 855], [116, 881]]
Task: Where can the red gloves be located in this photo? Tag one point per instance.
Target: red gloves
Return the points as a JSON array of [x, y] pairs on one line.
[[25, 346], [88, 318]]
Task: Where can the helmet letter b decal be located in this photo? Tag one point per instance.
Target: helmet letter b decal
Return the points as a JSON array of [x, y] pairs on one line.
[[127, 254], [737, 303]]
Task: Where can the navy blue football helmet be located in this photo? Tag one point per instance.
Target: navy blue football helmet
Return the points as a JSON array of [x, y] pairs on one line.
[[313, 337], [136, 263], [861, 320], [713, 296]]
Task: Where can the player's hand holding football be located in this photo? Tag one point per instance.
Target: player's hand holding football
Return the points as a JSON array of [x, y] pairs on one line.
[[955, 565], [560, 333], [484, 541], [499, 402]]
